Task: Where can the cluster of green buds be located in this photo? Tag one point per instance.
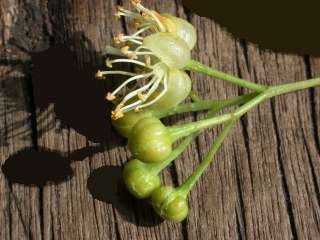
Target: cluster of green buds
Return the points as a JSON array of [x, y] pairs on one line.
[[160, 50]]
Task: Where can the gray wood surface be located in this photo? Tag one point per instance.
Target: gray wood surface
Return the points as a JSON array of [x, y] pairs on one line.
[[264, 183]]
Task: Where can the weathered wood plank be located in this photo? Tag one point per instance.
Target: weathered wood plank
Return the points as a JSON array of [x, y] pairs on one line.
[[20, 216], [291, 119], [315, 100], [69, 210], [19, 204], [264, 183]]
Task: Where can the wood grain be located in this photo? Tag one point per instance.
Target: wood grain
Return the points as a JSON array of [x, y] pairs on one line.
[[263, 184]]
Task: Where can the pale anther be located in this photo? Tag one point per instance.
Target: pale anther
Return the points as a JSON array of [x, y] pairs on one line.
[[110, 97]]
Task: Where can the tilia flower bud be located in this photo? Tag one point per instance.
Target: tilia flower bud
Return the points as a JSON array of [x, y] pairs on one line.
[[169, 203]]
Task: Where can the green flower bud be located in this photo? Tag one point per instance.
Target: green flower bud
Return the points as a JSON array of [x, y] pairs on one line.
[[125, 124], [150, 140], [179, 87], [181, 28], [169, 203], [169, 48], [139, 180]]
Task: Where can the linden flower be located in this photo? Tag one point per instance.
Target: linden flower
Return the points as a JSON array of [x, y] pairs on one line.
[[156, 54], [145, 19]]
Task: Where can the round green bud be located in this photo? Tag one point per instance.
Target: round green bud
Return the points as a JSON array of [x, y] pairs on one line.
[[125, 124], [181, 28], [159, 196], [170, 204], [179, 87], [169, 48], [150, 141], [139, 181]]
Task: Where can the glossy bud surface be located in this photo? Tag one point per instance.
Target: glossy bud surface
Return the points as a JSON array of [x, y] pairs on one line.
[[150, 140], [181, 28], [169, 48], [169, 204], [179, 87], [125, 124], [139, 180]]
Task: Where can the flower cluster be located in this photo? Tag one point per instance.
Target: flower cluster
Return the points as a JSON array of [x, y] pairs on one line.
[[160, 50], [160, 46]]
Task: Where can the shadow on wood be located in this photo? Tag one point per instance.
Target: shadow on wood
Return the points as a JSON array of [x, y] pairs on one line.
[[56, 78], [105, 184], [31, 167]]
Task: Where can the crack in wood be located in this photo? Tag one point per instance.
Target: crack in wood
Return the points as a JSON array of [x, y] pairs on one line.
[[284, 181]]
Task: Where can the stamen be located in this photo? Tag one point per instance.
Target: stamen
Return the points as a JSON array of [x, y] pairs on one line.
[[134, 86], [118, 14], [119, 38], [118, 107], [144, 53], [114, 73], [116, 114], [99, 75], [130, 80], [124, 60], [165, 89], [135, 54], [108, 63], [144, 23], [161, 26], [130, 106], [127, 13], [110, 97], [135, 41], [141, 47], [153, 14], [125, 50], [154, 83], [139, 90], [141, 31], [132, 37], [144, 15], [154, 87], [141, 96], [135, 2], [129, 54]]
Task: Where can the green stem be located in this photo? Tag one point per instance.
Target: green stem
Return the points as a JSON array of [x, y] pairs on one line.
[[201, 68], [179, 131], [292, 87], [200, 105], [194, 97], [156, 168], [187, 129], [192, 179]]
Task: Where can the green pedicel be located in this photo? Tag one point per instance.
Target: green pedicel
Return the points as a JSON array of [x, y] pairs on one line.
[[149, 152], [142, 179], [125, 124], [171, 203]]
